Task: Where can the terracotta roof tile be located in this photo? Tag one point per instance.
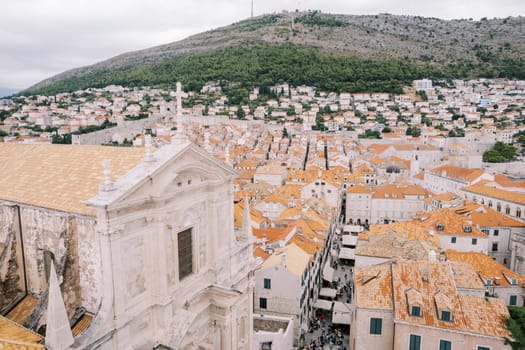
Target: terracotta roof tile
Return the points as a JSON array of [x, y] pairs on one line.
[[60, 177], [490, 189], [485, 266], [458, 173]]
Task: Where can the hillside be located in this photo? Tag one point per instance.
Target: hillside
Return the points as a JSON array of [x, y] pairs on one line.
[[333, 51]]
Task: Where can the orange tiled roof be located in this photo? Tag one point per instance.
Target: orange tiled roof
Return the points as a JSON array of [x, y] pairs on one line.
[[358, 189], [14, 336], [289, 190], [485, 266], [308, 245], [391, 191], [258, 252], [435, 284], [238, 212], [51, 176], [451, 222], [23, 309], [458, 173], [373, 287], [409, 230], [273, 234], [378, 148], [485, 217], [276, 198], [506, 181], [489, 189]]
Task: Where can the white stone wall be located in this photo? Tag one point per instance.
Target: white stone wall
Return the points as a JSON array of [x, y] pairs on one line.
[[281, 340], [145, 301], [358, 207], [431, 336], [394, 209], [360, 337], [284, 296], [493, 203], [463, 243], [504, 293], [271, 210], [63, 234], [272, 179], [503, 254], [322, 190], [363, 260]]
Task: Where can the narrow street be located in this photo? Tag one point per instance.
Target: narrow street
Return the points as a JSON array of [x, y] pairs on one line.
[[330, 328]]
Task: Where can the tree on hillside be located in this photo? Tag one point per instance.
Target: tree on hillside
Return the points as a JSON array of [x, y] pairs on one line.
[[240, 113], [499, 153], [516, 326], [413, 131]]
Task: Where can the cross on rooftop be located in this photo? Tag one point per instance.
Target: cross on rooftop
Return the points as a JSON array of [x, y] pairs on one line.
[[179, 94]]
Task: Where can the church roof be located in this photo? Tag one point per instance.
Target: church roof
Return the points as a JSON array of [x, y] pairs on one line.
[[14, 336], [60, 177]]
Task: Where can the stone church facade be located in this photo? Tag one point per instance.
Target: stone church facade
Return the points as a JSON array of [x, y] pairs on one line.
[[145, 243]]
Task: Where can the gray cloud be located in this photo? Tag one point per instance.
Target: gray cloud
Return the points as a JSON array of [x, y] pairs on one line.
[[40, 38]]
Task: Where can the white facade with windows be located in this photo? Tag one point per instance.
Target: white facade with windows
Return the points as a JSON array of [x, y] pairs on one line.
[[321, 189], [282, 287], [154, 254]]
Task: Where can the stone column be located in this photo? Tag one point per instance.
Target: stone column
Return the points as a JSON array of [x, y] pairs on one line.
[[225, 336], [513, 258]]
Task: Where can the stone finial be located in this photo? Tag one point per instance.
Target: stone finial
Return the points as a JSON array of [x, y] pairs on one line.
[[246, 232], [108, 185], [58, 330], [179, 136], [147, 144]]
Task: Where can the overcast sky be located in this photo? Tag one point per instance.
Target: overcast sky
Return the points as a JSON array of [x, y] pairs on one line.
[[40, 38]]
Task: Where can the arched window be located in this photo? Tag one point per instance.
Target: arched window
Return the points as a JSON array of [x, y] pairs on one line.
[[507, 209], [498, 207], [518, 212], [490, 204]]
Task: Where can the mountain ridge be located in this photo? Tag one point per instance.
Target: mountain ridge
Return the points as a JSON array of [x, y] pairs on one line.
[[422, 41]]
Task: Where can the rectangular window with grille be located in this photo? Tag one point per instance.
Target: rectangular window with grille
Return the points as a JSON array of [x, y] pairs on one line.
[[445, 316], [415, 342], [445, 345], [376, 325], [184, 240]]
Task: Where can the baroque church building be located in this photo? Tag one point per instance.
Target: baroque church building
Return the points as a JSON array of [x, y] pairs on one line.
[[142, 241]]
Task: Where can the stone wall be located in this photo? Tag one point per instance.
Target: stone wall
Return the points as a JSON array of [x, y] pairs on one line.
[[67, 238], [138, 126], [11, 260], [105, 135]]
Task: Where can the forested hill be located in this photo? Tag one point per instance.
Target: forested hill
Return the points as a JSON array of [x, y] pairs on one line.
[[336, 52]]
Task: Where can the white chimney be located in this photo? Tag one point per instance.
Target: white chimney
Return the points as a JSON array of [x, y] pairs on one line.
[[432, 256]]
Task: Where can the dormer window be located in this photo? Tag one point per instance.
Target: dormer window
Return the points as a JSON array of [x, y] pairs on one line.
[[488, 282], [415, 311], [440, 227], [446, 316], [443, 307], [513, 281], [467, 229]]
